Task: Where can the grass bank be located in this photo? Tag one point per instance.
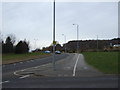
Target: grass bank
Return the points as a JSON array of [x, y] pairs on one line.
[[106, 62], [11, 58]]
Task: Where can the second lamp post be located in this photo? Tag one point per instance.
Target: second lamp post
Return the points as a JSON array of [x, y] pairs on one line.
[[65, 41], [77, 37]]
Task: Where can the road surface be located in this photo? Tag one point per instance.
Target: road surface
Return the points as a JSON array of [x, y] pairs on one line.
[[71, 71]]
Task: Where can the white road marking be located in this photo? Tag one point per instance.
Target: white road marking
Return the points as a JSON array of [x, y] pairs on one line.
[[75, 66], [24, 76], [21, 62], [15, 73], [4, 82], [36, 67], [43, 65], [22, 70]]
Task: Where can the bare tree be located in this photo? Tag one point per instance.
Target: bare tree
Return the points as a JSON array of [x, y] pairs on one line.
[[0, 44], [22, 47], [13, 38], [1, 38]]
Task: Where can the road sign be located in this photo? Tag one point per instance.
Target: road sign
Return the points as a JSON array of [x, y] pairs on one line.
[[54, 42]]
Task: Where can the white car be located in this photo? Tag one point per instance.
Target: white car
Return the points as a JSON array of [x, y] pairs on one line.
[[57, 52], [47, 51]]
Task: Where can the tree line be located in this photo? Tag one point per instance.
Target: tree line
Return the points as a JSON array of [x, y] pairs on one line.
[[87, 45], [9, 47], [84, 45]]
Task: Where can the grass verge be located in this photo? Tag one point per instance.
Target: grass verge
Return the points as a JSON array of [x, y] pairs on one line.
[[11, 58], [106, 62]]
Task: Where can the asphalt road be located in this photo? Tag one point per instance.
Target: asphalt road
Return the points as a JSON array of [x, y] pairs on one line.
[[9, 69], [71, 72], [64, 82]]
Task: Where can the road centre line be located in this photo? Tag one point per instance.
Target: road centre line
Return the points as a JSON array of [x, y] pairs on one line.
[[75, 65]]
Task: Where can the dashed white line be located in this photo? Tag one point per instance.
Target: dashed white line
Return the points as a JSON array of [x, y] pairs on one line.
[[4, 82], [24, 76], [43, 65], [21, 62], [36, 67], [75, 66], [22, 70]]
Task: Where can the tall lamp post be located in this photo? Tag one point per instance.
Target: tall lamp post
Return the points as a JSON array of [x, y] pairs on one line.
[[97, 43], [54, 35], [35, 43], [77, 37], [65, 41]]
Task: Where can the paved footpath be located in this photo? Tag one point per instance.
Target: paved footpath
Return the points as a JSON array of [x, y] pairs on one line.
[[72, 66]]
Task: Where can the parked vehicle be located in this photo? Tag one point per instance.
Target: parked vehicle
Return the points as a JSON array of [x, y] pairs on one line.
[[57, 52], [47, 51]]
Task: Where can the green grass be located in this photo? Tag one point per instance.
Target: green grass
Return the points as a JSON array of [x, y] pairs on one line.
[[10, 58], [13, 56], [106, 62]]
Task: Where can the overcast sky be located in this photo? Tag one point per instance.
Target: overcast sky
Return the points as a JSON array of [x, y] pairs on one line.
[[33, 21]]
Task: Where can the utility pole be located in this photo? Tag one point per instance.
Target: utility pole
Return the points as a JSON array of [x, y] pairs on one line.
[[54, 35]]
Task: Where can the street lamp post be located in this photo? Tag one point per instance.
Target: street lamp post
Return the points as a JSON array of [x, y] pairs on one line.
[[54, 35], [77, 37], [35, 43], [65, 41], [97, 43]]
